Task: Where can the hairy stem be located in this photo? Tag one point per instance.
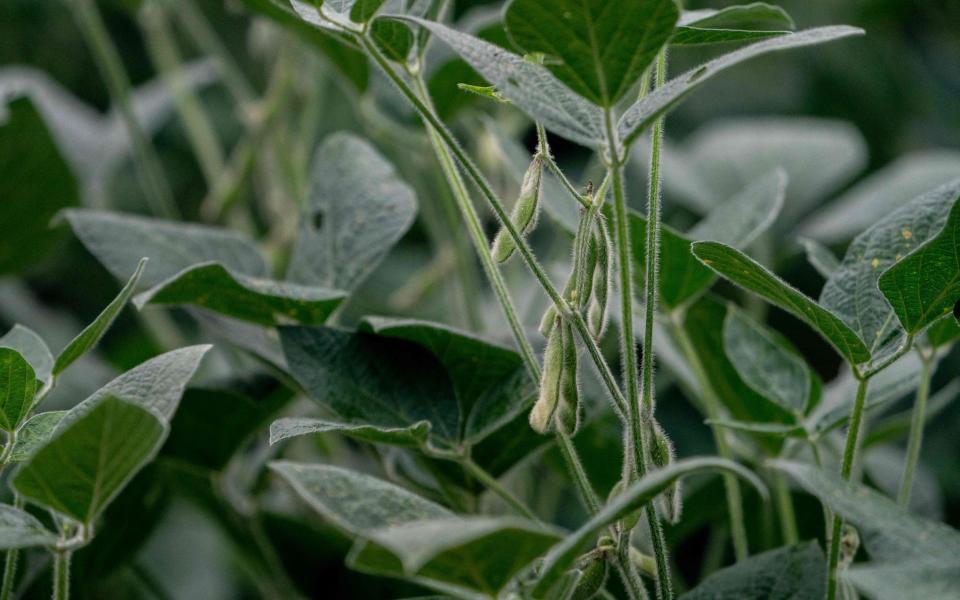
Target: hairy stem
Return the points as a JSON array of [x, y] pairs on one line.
[[849, 458], [915, 440], [491, 483], [10, 564], [105, 54], [711, 403], [788, 518], [61, 574]]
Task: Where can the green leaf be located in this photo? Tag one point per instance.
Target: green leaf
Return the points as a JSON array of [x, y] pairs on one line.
[[357, 209], [881, 193], [529, 86], [945, 331], [822, 259], [263, 301], [852, 291], [774, 429], [746, 22], [92, 333], [408, 373], [20, 529], [118, 240], [35, 433], [767, 362], [788, 573], [18, 385], [632, 498], [288, 427], [35, 183], [908, 554], [86, 464], [597, 49], [363, 10], [31, 347], [747, 273], [642, 113], [155, 385], [925, 285], [476, 553], [393, 38]]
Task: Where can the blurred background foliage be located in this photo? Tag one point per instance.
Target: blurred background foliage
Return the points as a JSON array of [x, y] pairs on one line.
[[196, 525]]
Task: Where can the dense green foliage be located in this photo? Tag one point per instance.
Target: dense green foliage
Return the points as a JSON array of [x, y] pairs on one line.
[[401, 298]]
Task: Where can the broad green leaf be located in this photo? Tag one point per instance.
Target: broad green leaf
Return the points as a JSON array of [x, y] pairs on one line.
[[737, 221], [213, 424], [773, 429], [633, 497], [34, 434], [31, 347], [118, 240], [737, 23], [881, 193], [477, 553], [946, 330], [598, 49], [487, 378], [907, 579], [155, 385], [357, 209], [363, 10], [86, 464], [642, 113], [35, 183], [822, 259], [263, 301], [408, 373], [747, 273], [393, 38], [925, 285], [788, 573], [20, 529], [288, 427], [92, 333], [348, 60], [529, 86], [767, 362], [852, 291], [18, 385]]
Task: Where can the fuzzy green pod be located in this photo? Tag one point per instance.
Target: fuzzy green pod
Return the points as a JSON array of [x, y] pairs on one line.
[[594, 575], [541, 415], [567, 415], [662, 454], [548, 320], [597, 314], [525, 210]]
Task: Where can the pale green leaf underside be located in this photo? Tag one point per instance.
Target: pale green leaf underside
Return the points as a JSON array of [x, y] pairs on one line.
[[85, 465], [788, 573], [18, 384], [36, 432], [820, 257], [747, 273], [637, 495], [598, 49], [642, 113], [31, 347], [118, 240], [852, 293], [925, 286], [766, 363], [357, 208], [289, 427], [20, 529], [92, 333], [530, 87], [264, 301]]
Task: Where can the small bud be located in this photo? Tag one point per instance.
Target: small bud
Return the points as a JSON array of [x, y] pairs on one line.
[[567, 415], [602, 274], [525, 210], [541, 416], [662, 454], [594, 576]]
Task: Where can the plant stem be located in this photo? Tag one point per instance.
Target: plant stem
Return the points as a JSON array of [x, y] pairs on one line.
[[915, 440], [61, 574], [578, 474], [788, 518], [10, 565], [849, 457], [105, 54], [711, 403], [166, 58], [492, 484]]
